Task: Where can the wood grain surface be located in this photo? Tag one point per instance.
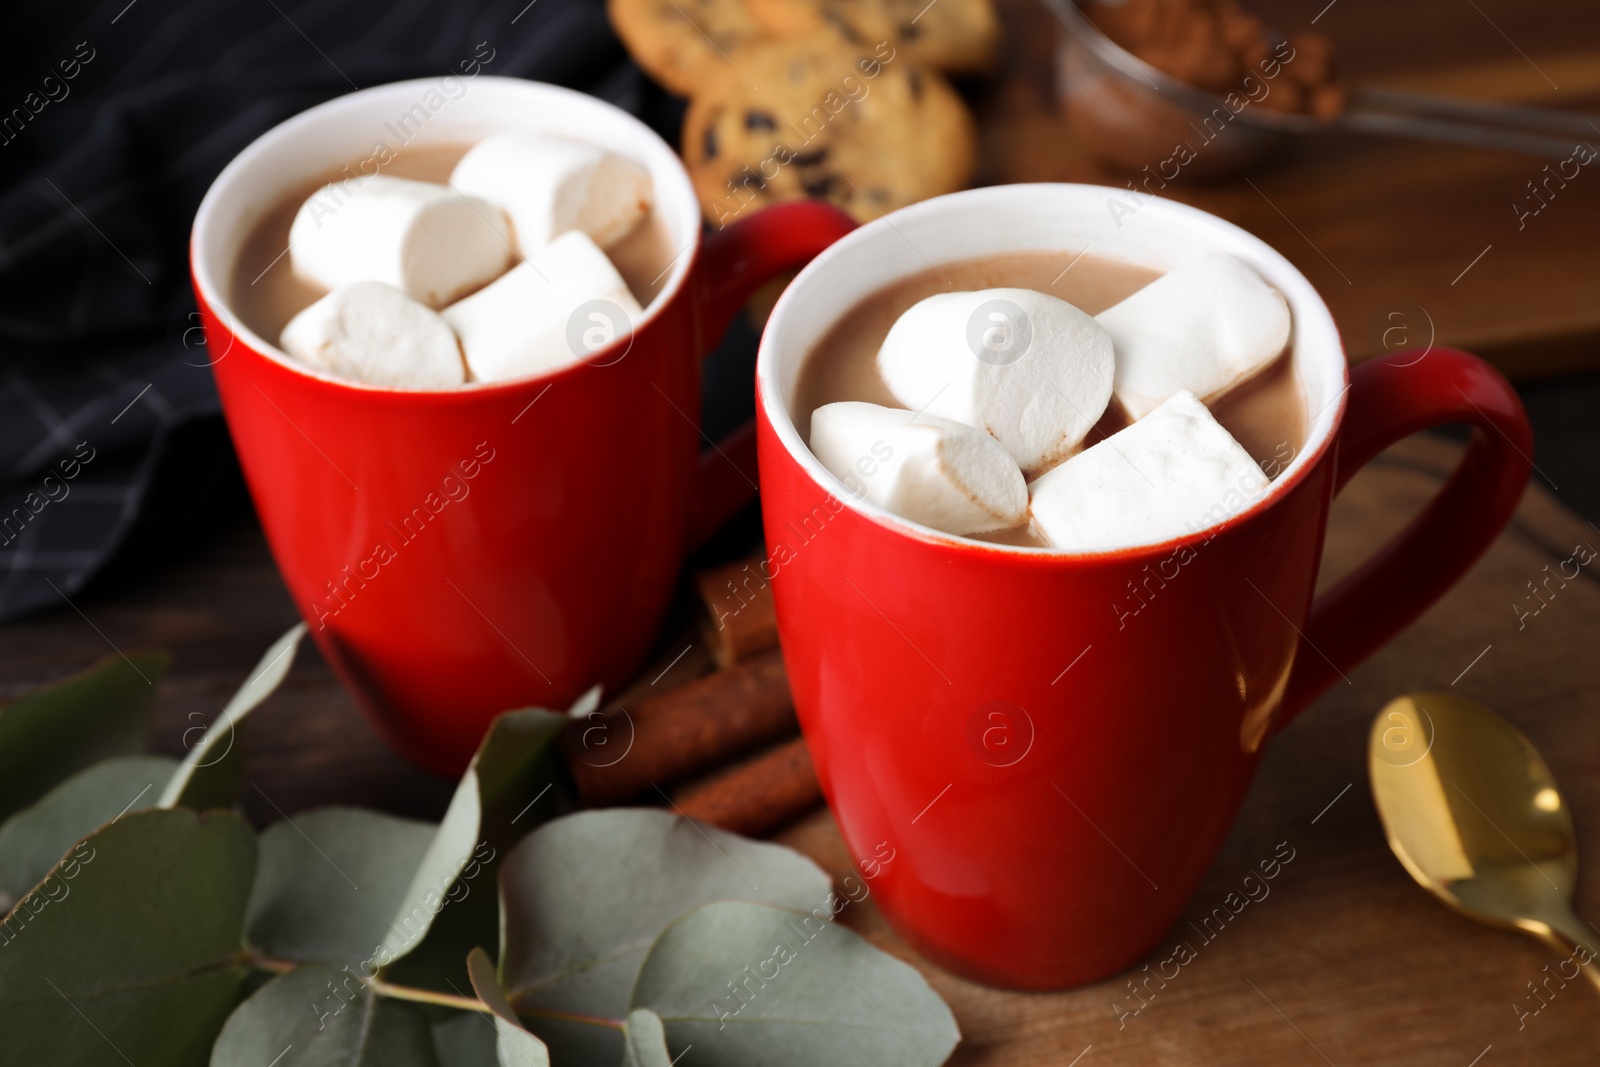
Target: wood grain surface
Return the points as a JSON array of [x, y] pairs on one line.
[[1345, 959], [1384, 226]]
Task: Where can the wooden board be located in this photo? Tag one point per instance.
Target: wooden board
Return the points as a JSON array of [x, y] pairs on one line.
[[1363, 966], [1378, 225]]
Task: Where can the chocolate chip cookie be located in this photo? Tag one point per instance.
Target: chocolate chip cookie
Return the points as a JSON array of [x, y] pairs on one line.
[[680, 43], [863, 127], [955, 36]]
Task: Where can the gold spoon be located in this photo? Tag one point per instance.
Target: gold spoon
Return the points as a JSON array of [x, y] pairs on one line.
[[1475, 816]]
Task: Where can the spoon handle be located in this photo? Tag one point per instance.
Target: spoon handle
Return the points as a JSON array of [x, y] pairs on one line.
[[1425, 128], [1569, 124], [1535, 131], [1568, 934]]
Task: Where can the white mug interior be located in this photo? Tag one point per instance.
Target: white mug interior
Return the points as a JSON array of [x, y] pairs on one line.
[[1069, 219], [428, 111]]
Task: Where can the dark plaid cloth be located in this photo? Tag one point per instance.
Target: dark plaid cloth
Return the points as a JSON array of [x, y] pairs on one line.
[[112, 125]]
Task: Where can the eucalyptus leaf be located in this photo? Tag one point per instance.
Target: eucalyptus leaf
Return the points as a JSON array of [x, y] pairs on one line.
[[330, 884], [746, 983], [646, 1041], [516, 1047], [35, 838], [466, 1039], [587, 704], [507, 789], [129, 948], [585, 895], [317, 1016], [213, 770], [56, 731]]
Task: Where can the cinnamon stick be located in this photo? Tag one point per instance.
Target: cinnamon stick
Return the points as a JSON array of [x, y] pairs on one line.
[[738, 620], [760, 796], [619, 754], [683, 659]]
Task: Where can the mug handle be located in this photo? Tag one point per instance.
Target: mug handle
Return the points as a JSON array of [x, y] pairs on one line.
[[737, 261], [1391, 398]]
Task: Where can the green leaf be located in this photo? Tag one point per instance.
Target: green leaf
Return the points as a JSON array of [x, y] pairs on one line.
[[129, 949], [330, 883], [584, 897], [60, 729], [745, 983], [35, 838], [320, 1017], [466, 1039], [515, 1046], [507, 789], [646, 1041], [213, 771]]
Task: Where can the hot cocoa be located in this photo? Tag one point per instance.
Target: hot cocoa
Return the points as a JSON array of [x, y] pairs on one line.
[[268, 289], [1264, 411]]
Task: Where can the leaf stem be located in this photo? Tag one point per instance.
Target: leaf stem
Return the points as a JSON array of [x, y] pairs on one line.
[[564, 1016], [444, 1000], [427, 996], [379, 986], [268, 964]]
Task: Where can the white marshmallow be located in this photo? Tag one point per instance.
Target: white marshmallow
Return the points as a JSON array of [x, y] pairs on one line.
[[1204, 327], [1029, 368], [548, 185], [372, 332], [935, 471], [1174, 472], [557, 307], [427, 240]]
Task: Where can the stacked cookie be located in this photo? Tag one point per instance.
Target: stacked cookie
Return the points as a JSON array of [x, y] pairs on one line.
[[839, 100]]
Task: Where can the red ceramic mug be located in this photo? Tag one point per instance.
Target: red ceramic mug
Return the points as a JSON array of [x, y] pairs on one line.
[[458, 553], [1052, 775]]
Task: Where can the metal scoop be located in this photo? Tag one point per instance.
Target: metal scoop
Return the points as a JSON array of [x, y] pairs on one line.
[[1129, 113]]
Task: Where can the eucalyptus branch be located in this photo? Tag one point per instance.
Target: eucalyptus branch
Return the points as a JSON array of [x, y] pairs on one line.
[[379, 986], [427, 996], [258, 962], [564, 1016], [445, 1000]]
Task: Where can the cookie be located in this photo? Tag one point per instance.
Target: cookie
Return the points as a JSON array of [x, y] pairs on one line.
[[955, 36], [680, 43], [866, 129]]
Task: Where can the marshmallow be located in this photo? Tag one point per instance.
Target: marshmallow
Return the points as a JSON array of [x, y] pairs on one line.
[[1174, 472], [1204, 327], [557, 307], [1029, 368], [427, 240], [935, 471], [372, 332], [548, 186]]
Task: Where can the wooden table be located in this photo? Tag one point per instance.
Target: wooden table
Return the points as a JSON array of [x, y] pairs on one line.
[[1345, 955], [1381, 225]]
